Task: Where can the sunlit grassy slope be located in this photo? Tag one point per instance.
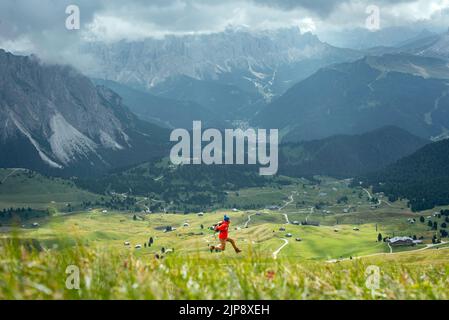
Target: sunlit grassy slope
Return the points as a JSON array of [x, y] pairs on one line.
[[94, 242], [33, 265], [263, 234], [23, 188], [108, 274]]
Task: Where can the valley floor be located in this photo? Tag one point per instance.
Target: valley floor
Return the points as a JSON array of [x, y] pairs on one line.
[[281, 258]]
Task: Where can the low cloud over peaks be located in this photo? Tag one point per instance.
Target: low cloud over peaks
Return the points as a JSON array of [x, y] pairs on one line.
[[38, 26]]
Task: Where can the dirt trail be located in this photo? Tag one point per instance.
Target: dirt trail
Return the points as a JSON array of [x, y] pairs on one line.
[[291, 199], [10, 174], [248, 221], [371, 196], [275, 254], [287, 203]]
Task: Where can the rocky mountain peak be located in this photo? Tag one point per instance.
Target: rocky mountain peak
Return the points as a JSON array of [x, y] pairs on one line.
[[59, 112]]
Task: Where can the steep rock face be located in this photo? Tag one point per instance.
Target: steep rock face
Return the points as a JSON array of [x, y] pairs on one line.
[[64, 121], [267, 62]]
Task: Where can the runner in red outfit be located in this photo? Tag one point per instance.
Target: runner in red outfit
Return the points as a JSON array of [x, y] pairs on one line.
[[223, 229]]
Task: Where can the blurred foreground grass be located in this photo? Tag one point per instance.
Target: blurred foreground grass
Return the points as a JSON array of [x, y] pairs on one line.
[[28, 273]]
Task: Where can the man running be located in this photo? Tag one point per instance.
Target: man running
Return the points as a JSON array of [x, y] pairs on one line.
[[223, 228]]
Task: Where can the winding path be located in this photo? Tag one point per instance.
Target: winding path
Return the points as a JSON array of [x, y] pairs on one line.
[[368, 193], [371, 197], [248, 221], [288, 202], [379, 201], [391, 249], [275, 254], [10, 174]]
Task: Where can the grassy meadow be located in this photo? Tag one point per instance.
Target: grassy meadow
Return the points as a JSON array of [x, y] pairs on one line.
[[23, 188], [280, 260], [108, 274]]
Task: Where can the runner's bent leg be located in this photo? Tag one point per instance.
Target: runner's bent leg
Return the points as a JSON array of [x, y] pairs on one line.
[[232, 242]]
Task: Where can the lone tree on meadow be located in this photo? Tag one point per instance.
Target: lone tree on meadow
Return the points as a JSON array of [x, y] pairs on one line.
[[435, 226], [379, 237]]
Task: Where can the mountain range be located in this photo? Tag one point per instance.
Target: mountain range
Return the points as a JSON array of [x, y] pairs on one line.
[[263, 62], [56, 120], [351, 98], [434, 45], [364, 39], [319, 89]]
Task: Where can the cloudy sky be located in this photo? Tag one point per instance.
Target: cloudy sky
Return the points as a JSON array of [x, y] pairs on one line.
[[39, 25]]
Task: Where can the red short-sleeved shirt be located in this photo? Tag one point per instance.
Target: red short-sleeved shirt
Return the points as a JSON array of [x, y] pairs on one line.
[[223, 229]]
